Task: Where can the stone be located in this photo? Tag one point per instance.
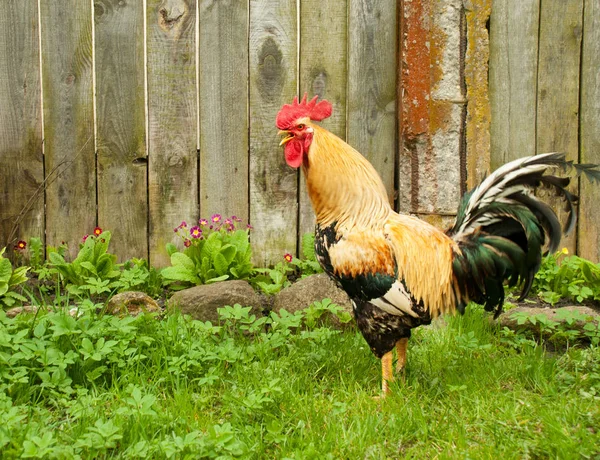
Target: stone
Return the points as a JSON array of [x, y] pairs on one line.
[[201, 302], [509, 320], [306, 291], [131, 303]]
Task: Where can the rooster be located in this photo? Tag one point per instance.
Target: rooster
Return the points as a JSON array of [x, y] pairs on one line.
[[401, 272]]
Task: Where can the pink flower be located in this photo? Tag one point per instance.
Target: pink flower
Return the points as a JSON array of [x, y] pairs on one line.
[[195, 232], [85, 237], [215, 218], [203, 222]]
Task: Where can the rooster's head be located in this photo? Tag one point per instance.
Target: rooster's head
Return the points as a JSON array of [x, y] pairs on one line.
[[293, 120]]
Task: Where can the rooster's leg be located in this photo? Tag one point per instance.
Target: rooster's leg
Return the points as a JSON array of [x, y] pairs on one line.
[[387, 375], [401, 346]]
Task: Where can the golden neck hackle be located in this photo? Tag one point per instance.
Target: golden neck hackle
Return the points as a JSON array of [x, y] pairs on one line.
[[342, 185]]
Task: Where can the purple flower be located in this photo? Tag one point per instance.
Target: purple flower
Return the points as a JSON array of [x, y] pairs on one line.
[[236, 219], [228, 222], [215, 218], [203, 222], [249, 227], [187, 243], [195, 232]]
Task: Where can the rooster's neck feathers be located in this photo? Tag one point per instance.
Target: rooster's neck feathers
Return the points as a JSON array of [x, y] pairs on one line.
[[343, 186]]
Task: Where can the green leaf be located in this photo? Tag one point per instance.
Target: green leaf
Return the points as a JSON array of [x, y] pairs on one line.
[[217, 279], [228, 251], [221, 264], [5, 270], [179, 259]]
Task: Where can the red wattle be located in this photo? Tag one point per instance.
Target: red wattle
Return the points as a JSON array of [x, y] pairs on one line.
[[294, 154]]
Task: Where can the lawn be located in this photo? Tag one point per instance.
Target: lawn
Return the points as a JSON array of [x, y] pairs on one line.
[[286, 387]]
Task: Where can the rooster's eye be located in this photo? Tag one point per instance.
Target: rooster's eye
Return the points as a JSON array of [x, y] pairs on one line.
[[300, 126]]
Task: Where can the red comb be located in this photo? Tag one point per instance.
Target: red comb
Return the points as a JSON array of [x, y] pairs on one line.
[[289, 113]]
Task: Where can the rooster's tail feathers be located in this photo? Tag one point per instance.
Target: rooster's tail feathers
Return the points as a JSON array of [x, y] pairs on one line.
[[502, 226]]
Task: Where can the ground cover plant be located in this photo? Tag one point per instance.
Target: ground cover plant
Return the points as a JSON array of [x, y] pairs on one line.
[[83, 384]]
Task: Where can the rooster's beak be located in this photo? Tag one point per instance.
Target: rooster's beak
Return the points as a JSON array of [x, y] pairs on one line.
[[285, 140]]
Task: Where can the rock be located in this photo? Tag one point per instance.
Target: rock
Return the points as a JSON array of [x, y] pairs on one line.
[[33, 309], [201, 302], [305, 292], [560, 315], [13, 312], [131, 303]]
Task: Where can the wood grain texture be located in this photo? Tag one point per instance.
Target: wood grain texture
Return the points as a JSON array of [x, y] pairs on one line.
[[514, 28], [172, 122], [121, 126], [22, 172], [273, 79], [372, 35], [223, 47], [589, 208], [323, 65], [558, 86], [66, 31]]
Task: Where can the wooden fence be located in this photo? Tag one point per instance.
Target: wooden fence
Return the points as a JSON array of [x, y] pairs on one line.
[[136, 115], [545, 92]]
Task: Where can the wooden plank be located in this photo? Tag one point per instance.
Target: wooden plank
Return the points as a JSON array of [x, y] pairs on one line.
[[223, 47], [414, 95], [323, 65], [21, 160], [273, 79], [66, 31], [514, 28], [121, 126], [373, 37], [172, 122], [589, 217], [558, 86]]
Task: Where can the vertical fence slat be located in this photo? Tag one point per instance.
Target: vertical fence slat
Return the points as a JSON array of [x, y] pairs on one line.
[[372, 35], [172, 113], [589, 221], [323, 65], [558, 85], [223, 47], [121, 126], [273, 79], [514, 27], [66, 30], [22, 170]]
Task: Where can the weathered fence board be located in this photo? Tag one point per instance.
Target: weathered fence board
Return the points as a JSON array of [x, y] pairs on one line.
[[22, 171], [185, 120], [588, 242], [121, 126], [223, 48], [514, 26], [372, 66], [172, 121], [558, 86], [70, 163], [323, 65], [273, 82]]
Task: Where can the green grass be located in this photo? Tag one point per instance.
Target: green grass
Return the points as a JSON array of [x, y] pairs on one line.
[[104, 387]]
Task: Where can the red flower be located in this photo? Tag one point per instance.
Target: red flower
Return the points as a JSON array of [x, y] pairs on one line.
[[21, 245], [97, 231], [85, 237], [288, 257], [187, 243]]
